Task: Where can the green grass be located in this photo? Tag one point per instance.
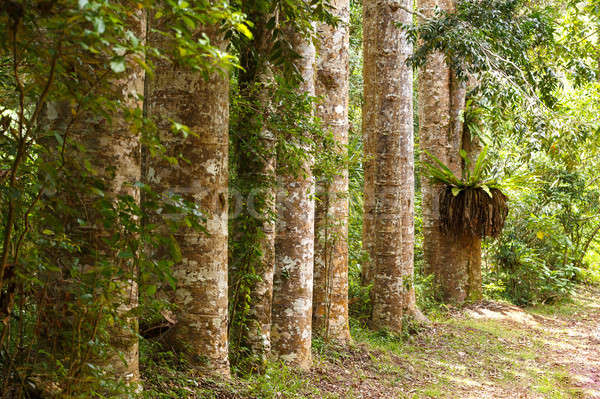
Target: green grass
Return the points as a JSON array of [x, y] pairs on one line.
[[456, 354]]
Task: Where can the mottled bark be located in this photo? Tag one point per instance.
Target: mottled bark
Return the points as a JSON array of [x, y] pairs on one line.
[[291, 331], [121, 156], [330, 290], [255, 226], [114, 150], [259, 232], [201, 176], [368, 114], [454, 261], [104, 153], [389, 126]]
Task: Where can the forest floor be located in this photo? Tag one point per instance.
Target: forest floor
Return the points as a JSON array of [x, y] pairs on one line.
[[486, 350]]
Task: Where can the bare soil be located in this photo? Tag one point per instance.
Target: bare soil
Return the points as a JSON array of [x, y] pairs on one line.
[[487, 350]]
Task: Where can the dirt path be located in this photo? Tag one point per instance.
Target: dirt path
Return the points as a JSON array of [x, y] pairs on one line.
[[490, 350], [573, 342]]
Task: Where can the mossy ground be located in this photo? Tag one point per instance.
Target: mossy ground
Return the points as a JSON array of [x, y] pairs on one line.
[[486, 350]]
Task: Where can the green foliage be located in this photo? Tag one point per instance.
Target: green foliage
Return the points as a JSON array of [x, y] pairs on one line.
[[500, 42], [541, 256], [270, 41], [528, 276], [475, 179], [271, 123], [554, 219], [67, 244], [358, 295], [427, 294]]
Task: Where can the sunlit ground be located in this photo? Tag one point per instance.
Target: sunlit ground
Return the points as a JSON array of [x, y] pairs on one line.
[[489, 350]]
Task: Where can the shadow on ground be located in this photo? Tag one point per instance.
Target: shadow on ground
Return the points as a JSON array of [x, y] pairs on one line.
[[487, 350]]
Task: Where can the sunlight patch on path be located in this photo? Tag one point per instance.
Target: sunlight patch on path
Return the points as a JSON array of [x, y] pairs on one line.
[[501, 311], [569, 335]]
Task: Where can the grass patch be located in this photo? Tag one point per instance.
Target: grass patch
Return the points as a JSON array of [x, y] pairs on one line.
[[456, 356]]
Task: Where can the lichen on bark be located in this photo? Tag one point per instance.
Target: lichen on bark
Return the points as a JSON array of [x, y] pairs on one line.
[[330, 292], [181, 94], [291, 330], [388, 135]]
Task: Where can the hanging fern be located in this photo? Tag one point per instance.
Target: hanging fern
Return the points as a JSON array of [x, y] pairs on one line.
[[474, 211], [473, 204]]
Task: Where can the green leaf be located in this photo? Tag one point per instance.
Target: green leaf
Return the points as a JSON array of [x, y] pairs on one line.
[[99, 25], [456, 191], [125, 254], [88, 165], [189, 23], [174, 249], [180, 128], [97, 191], [242, 28], [443, 167], [118, 64], [172, 282], [59, 138], [151, 290], [480, 164], [82, 3]]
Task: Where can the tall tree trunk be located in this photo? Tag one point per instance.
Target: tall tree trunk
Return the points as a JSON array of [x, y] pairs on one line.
[[291, 331], [253, 270], [100, 153], [389, 127], [455, 261], [368, 114], [180, 94], [330, 296]]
